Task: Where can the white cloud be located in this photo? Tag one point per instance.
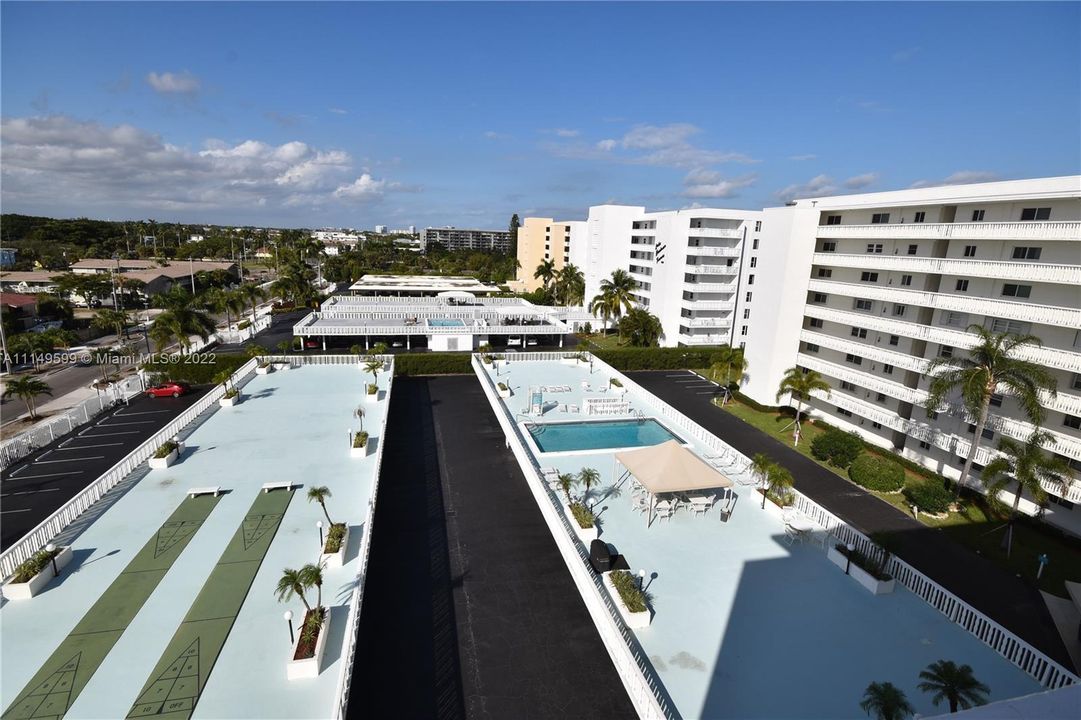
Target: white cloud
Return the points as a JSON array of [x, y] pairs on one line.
[[961, 177], [493, 135], [817, 186], [660, 145], [566, 132], [800, 158], [861, 181], [701, 183], [89, 165], [607, 145], [338, 111], [182, 83]]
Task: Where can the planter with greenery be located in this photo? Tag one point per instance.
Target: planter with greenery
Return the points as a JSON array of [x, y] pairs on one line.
[[264, 368], [631, 601], [930, 498], [165, 456], [867, 571], [243, 325], [614, 382], [371, 392], [334, 550], [360, 445], [230, 398], [572, 358], [877, 473], [310, 645], [35, 573], [503, 390], [582, 521]]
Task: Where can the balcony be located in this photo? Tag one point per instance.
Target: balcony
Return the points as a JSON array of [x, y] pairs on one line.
[[712, 269], [705, 287], [868, 351], [709, 304], [1050, 357], [734, 233], [1000, 269], [714, 322], [1028, 312], [708, 339], [705, 251], [1069, 230]]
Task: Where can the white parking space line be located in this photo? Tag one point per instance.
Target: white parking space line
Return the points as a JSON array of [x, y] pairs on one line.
[[45, 475], [142, 412], [133, 422], [29, 492], [78, 459], [5, 512], [707, 392], [86, 447], [679, 375], [118, 432]]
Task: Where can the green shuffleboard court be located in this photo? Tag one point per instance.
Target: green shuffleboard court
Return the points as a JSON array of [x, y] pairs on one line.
[[174, 686], [64, 675]]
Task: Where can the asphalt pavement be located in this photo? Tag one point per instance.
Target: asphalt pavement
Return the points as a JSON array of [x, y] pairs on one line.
[[38, 485]]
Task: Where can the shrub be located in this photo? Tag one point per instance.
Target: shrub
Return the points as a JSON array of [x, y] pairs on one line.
[[633, 598], [231, 393], [783, 499], [243, 325], [757, 406], [29, 568], [334, 537], [615, 382], [837, 447], [502, 387], [166, 448], [432, 364], [360, 439], [876, 473], [192, 368], [676, 358], [373, 388], [929, 497], [582, 515]]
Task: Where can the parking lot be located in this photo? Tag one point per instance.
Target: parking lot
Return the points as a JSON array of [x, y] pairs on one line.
[[35, 487]]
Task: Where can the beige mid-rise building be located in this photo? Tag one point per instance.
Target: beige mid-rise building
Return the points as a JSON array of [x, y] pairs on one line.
[[541, 239]]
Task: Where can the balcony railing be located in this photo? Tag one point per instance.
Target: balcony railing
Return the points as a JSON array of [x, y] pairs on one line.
[[717, 322], [712, 269], [847, 344], [709, 304], [1068, 230], [715, 233], [1002, 269], [709, 339], [706, 251], [708, 287], [1027, 312], [1050, 357]]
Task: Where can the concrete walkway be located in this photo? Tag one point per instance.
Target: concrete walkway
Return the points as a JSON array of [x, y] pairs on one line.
[[456, 522], [987, 587]]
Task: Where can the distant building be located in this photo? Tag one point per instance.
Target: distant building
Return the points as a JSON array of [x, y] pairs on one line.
[[541, 239], [196, 238], [419, 285], [337, 237], [381, 229], [459, 239]]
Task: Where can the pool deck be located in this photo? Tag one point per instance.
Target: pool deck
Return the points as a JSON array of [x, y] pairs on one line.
[[746, 626], [291, 425]]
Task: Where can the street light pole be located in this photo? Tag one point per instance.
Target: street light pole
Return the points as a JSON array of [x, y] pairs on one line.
[[289, 619]]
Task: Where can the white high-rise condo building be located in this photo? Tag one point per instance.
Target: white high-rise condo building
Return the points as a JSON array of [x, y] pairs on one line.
[[690, 265], [866, 289]]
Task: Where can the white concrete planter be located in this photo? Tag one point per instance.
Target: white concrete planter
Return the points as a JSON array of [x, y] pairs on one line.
[[264, 369], [586, 535], [503, 393], [360, 451], [864, 578], [633, 620], [371, 397], [282, 366], [336, 560], [157, 463], [569, 361], [33, 586], [309, 667], [229, 401]]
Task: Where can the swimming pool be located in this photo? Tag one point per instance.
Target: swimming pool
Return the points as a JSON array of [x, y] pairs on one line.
[[571, 436], [445, 322]]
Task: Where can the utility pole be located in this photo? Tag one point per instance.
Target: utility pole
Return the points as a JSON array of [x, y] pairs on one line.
[[191, 272]]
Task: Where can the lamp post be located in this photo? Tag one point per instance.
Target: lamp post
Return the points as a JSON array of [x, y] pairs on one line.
[[50, 548], [641, 579], [319, 524], [851, 548], [289, 619]]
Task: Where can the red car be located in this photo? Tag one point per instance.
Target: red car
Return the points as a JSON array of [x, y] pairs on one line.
[[168, 389]]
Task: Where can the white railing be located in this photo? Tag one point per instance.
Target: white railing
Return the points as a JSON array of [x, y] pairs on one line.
[[711, 339], [646, 691], [709, 232], [710, 304], [712, 269], [707, 251], [1005, 269], [717, 322], [470, 327], [606, 406], [1069, 230], [1045, 670], [71, 510], [849, 344], [352, 626], [49, 430], [708, 287], [235, 337]]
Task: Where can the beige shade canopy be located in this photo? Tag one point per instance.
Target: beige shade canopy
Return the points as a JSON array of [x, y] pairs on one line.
[[670, 467]]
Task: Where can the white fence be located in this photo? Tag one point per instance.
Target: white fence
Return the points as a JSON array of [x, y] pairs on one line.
[[238, 336], [1049, 673], [45, 432], [55, 523], [352, 628], [645, 689]]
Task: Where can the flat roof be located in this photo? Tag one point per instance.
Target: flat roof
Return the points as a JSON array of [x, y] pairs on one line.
[[421, 283]]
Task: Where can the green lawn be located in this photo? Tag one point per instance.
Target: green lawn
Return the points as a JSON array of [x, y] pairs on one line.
[[597, 341], [977, 526]]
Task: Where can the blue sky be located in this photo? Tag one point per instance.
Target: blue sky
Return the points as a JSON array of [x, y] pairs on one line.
[[350, 114]]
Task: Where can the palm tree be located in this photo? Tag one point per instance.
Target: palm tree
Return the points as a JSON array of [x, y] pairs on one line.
[[312, 576], [953, 683], [319, 494], [989, 365], [800, 383], [640, 327], [570, 286], [728, 362], [1029, 467], [374, 366], [588, 477], [254, 350], [253, 294], [292, 582], [182, 318], [601, 306], [886, 701], [617, 289], [778, 481], [223, 300], [566, 482], [110, 319], [761, 464], [545, 272], [27, 388]]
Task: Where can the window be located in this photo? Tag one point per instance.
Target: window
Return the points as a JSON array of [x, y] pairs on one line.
[[869, 277], [743, 330], [742, 345], [746, 313], [913, 249], [817, 323], [996, 400], [829, 246], [987, 434], [906, 280], [1036, 214], [819, 297], [842, 411], [876, 425], [880, 218], [920, 216], [1026, 253], [894, 340], [845, 385], [854, 359], [977, 216], [945, 351], [874, 247], [757, 225], [970, 251], [899, 310], [924, 445], [754, 244], [860, 333], [887, 369], [863, 305], [962, 286], [1075, 383], [754, 262], [833, 219], [811, 348], [932, 415], [1017, 327], [881, 397], [747, 297], [1072, 421], [750, 279], [1021, 291], [955, 319], [825, 272]]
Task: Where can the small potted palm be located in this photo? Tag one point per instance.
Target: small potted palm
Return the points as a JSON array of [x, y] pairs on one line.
[[503, 389], [373, 365], [283, 349], [255, 350], [582, 520], [337, 537], [310, 643], [232, 393], [359, 446], [37, 571], [165, 456]]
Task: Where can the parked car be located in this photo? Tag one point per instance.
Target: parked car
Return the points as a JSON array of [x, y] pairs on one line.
[[168, 389]]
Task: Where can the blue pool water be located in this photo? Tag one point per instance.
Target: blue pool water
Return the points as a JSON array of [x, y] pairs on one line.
[[445, 322], [567, 436]]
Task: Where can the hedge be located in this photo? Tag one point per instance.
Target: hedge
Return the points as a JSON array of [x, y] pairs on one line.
[[929, 497], [875, 473], [837, 447], [192, 368], [677, 358], [436, 363]]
